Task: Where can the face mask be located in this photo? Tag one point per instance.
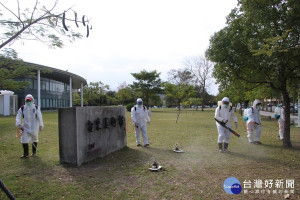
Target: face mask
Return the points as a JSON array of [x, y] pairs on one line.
[[29, 104], [225, 106]]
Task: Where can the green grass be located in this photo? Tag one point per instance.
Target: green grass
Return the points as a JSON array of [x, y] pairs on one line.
[[198, 173]]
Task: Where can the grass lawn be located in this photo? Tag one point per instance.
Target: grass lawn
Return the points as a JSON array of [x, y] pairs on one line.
[[199, 173]]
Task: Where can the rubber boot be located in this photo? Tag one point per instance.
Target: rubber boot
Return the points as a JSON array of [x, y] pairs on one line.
[[34, 146], [220, 147], [25, 149], [226, 147]]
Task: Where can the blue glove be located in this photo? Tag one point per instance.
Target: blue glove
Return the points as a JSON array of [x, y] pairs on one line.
[[277, 116]]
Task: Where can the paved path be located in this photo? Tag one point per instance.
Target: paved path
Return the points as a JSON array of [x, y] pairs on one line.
[[264, 113]]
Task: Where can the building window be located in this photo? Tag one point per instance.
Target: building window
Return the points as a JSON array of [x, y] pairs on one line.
[[43, 103], [47, 103], [35, 84], [30, 86]]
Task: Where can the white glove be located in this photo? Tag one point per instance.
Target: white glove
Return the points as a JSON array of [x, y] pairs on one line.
[[135, 125]]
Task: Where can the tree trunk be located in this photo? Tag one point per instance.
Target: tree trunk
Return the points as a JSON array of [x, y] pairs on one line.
[[203, 96], [271, 104], [286, 103], [241, 111], [147, 100], [178, 112]]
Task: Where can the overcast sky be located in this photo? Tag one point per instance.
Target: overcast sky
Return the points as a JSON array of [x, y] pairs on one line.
[[131, 35]]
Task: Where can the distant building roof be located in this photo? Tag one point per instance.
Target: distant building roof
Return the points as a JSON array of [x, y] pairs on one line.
[[59, 75]]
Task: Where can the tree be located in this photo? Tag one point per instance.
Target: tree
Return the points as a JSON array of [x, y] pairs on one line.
[[201, 69], [262, 48], [95, 92], [180, 87], [39, 23], [180, 76], [148, 83], [76, 99], [177, 93], [111, 98], [12, 68], [125, 94]]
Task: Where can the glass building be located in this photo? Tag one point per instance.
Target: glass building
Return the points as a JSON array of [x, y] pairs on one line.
[[52, 88]]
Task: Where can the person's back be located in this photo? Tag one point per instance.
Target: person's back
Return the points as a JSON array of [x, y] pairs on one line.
[[139, 114], [139, 117]]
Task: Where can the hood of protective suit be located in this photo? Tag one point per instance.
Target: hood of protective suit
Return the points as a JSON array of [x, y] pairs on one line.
[[226, 99], [139, 101], [256, 102], [30, 97]]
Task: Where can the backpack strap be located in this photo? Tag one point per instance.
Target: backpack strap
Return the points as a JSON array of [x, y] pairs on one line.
[[230, 109], [143, 107], [22, 108]]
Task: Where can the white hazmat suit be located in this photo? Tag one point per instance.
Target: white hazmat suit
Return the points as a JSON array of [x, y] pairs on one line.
[[32, 123], [279, 115], [253, 122], [224, 114], [139, 116]]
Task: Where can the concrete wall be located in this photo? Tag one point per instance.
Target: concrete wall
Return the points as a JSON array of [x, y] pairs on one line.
[[80, 143], [1, 104], [5, 105], [8, 104]]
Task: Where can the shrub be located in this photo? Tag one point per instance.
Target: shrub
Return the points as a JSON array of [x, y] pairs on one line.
[[129, 106]]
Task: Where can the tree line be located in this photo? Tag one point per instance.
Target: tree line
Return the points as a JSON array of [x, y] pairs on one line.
[[182, 89]]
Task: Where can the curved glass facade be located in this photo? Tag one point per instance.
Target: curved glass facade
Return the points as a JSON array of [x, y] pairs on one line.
[[54, 94]]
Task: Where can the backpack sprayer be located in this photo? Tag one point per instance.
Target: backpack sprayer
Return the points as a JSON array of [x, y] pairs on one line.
[[225, 126]]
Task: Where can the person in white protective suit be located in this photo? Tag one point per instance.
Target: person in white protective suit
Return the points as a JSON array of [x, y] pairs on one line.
[[279, 116], [246, 110], [139, 116], [254, 122], [224, 113], [32, 123]]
